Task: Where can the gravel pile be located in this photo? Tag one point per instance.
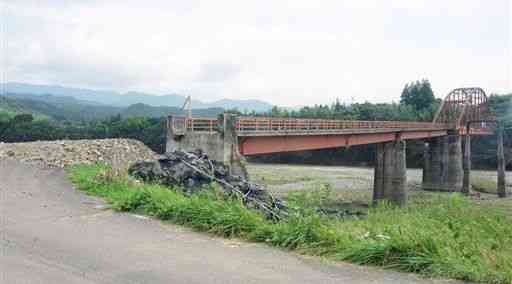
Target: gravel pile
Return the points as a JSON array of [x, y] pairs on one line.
[[189, 172], [119, 153]]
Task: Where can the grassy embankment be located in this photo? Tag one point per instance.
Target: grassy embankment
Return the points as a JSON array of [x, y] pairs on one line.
[[442, 236]]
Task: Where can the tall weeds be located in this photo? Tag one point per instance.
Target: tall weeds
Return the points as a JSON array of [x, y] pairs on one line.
[[441, 236]]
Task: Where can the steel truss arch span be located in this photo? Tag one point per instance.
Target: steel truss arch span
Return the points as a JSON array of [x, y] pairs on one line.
[[466, 106]]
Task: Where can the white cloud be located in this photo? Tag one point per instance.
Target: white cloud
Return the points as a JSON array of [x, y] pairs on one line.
[[286, 52]]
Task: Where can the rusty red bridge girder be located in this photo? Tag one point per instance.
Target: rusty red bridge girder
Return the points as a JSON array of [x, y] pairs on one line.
[[260, 135]]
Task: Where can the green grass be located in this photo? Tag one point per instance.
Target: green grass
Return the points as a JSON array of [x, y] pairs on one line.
[[445, 235]]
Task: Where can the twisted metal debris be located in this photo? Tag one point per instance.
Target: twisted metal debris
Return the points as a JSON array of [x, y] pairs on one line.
[[188, 172]]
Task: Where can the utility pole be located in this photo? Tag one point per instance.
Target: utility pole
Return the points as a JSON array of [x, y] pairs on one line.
[[502, 189], [188, 106]]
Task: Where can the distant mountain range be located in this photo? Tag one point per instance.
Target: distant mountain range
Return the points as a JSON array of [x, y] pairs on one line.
[[111, 98], [72, 109]]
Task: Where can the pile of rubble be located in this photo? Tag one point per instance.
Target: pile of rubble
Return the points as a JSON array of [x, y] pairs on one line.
[[119, 153], [189, 172]]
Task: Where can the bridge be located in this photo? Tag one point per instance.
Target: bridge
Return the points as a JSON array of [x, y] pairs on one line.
[[463, 113]]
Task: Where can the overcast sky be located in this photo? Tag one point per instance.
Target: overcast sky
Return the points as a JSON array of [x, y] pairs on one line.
[[285, 52]]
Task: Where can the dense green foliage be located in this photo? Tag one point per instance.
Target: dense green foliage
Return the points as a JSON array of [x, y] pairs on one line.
[[484, 148], [24, 128], [417, 104], [419, 95], [502, 106], [356, 111], [440, 236]]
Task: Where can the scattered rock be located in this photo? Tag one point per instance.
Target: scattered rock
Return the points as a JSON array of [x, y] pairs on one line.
[[119, 153]]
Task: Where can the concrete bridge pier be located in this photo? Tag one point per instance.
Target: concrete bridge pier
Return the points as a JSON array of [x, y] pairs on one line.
[[390, 175], [442, 167], [502, 187], [218, 145], [455, 173], [435, 159], [466, 181]]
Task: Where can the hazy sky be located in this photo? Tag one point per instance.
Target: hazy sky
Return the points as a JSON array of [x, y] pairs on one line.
[[285, 52]]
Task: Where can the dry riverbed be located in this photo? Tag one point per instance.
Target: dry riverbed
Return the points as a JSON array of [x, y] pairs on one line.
[[355, 184]]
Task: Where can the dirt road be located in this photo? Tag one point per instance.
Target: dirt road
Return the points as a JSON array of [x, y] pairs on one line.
[[51, 233]]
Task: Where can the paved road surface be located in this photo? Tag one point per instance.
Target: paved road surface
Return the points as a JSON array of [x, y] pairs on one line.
[[51, 233]]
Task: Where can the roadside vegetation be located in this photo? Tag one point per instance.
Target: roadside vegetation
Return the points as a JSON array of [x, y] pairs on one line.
[[439, 235]]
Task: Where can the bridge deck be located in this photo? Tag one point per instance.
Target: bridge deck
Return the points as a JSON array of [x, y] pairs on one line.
[[259, 135], [463, 109], [264, 143]]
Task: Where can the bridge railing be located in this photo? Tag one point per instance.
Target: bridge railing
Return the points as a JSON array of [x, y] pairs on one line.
[[289, 125], [177, 125], [202, 124], [180, 125], [258, 124]]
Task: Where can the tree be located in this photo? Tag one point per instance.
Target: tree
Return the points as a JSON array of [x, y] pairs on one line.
[[23, 118], [419, 95], [502, 107], [5, 119], [337, 107]]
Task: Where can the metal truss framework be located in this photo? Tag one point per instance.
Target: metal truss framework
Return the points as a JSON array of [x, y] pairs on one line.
[[467, 108]]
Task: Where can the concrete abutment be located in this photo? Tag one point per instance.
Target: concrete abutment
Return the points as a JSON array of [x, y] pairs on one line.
[[219, 145]]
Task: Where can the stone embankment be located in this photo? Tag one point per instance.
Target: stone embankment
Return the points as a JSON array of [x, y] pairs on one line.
[[59, 154]]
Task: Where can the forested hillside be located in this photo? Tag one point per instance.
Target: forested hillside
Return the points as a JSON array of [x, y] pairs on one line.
[[13, 106], [68, 108]]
